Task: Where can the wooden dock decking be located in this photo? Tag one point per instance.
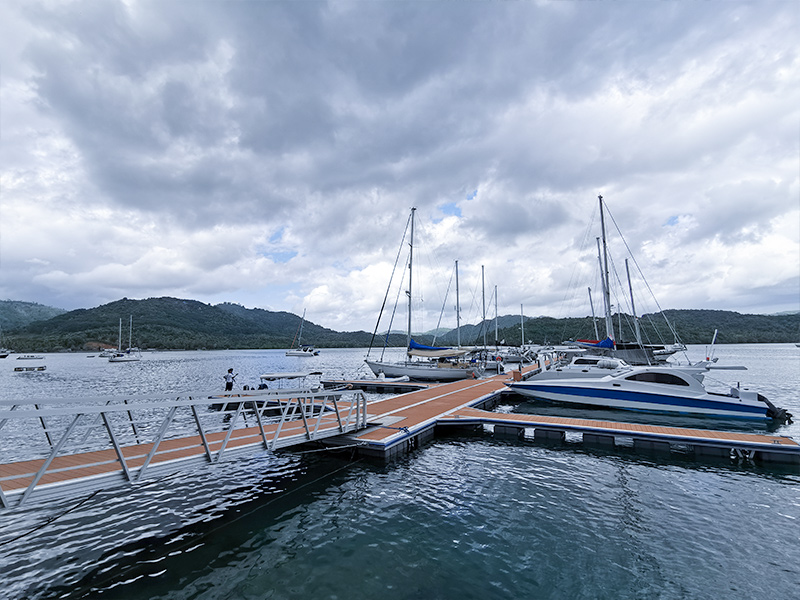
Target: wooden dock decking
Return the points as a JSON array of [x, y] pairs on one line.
[[402, 423], [383, 428]]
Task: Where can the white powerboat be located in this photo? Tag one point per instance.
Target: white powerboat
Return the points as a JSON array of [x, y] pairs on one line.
[[666, 390]]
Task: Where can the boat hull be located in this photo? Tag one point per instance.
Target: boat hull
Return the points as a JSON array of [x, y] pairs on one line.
[[696, 404], [422, 371]]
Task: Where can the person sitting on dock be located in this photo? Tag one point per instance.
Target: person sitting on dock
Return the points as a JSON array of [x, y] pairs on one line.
[[229, 378]]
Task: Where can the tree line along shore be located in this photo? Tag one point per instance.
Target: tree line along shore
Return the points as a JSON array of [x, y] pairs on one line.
[[173, 323]]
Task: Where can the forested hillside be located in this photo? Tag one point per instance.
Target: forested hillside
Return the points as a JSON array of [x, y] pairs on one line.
[[14, 314], [173, 323]]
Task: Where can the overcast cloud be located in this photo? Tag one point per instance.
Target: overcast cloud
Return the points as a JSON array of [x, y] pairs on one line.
[[268, 153]]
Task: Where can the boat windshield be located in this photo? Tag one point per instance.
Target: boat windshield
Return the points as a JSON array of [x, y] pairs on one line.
[[664, 378]]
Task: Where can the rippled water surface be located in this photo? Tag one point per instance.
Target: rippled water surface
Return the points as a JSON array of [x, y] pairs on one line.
[[463, 517]]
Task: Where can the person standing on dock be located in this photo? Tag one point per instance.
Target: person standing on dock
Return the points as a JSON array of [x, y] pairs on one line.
[[229, 377]]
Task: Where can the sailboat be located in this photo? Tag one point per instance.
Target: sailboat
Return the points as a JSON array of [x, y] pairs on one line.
[[302, 350], [131, 354], [426, 363], [636, 352]]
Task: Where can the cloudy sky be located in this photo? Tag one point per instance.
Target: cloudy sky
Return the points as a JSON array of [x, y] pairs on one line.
[[268, 153]]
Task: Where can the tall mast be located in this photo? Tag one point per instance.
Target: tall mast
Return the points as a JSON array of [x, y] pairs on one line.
[[119, 338], [130, 333], [458, 312], [606, 282], [633, 306], [483, 295], [594, 320], [495, 318], [410, 262], [522, 325]]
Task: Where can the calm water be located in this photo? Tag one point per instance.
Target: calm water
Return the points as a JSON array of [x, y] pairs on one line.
[[463, 517]]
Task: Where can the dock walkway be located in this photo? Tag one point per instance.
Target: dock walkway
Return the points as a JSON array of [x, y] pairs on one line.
[[402, 423], [114, 443]]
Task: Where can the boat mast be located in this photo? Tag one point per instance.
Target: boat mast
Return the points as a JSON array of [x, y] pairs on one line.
[[594, 319], [633, 307], [410, 263], [458, 312], [300, 334], [522, 325], [130, 333], [483, 296], [606, 282], [495, 319]]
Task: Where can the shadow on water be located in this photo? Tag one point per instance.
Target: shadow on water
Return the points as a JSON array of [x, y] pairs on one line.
[[678, 457], [522, 405], [180, 530]]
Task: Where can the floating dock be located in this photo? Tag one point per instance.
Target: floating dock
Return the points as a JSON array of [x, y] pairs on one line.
[[403, 423], [114, 441], [379, 386]]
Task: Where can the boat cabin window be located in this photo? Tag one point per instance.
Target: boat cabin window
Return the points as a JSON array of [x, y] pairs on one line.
[[665, 378], [585, 361]]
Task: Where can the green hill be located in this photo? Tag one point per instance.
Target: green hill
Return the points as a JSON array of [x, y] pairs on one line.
[[14, 314], [173, 323]]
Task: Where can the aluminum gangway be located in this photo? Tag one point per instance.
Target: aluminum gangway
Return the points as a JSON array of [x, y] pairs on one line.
[[60, 447]]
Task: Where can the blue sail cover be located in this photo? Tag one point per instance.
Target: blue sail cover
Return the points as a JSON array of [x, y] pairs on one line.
[[415, 349], [415, 346], [607, 344]]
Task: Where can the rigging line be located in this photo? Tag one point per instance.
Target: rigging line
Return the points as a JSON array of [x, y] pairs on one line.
[[394, 269], [444, 304], [639, 269], [394, 313], [570, 291]]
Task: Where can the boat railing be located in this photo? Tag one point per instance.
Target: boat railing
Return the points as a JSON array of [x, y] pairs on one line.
[[48, 444]]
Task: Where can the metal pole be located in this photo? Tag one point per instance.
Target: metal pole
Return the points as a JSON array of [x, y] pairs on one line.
[[410, 272], [607, 286], [458, 312]]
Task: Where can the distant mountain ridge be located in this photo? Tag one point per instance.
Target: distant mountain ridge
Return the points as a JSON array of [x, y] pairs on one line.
[[174, 323], [15, 314]]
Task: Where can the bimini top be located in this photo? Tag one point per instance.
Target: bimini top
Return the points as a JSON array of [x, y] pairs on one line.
[[415, 349]]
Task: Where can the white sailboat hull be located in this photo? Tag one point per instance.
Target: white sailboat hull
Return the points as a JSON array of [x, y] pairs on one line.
[[423, 371]]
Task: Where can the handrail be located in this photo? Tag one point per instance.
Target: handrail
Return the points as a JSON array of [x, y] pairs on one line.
[[120, 439]]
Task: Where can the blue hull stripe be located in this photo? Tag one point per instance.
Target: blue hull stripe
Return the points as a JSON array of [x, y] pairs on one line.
[[643, 397]]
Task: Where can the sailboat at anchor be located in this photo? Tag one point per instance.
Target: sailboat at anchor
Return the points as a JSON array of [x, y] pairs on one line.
[[302, 349], [131, 354]]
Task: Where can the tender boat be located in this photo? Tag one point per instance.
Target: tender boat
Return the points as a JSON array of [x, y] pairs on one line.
[[665, 390]]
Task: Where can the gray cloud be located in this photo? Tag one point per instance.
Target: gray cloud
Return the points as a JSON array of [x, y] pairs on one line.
[[284, 142]]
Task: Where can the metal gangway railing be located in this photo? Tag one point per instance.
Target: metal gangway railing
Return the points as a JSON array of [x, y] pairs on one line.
[[57, 447]]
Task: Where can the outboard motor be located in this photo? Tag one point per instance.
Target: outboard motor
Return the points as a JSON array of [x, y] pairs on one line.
[[773, 412]]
